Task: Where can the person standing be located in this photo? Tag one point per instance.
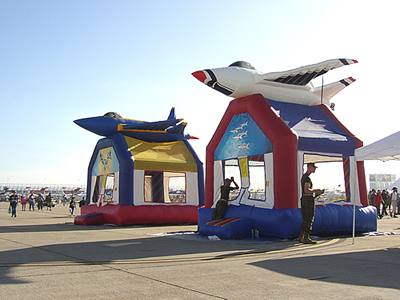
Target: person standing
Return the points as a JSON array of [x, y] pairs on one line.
[[23, 202], [398, 205], [82, 202], [308, 204], [13, 203], [31, 201], [377, 202], [49, 201], [385, 203], [222, 204], [394, 197], [72, 206], [372, 197], [39, 201]]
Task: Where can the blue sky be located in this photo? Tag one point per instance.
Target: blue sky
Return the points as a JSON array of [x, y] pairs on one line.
[[64, 60]]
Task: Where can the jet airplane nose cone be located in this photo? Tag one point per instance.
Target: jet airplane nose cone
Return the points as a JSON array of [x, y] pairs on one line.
[[200, 75], [90, 124], [99, 125]]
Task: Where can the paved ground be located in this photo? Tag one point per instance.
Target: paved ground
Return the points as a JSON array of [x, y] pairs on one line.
[[44, 256]]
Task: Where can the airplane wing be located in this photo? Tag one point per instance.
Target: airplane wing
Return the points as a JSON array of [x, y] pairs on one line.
[[303, 75], [159, 125]]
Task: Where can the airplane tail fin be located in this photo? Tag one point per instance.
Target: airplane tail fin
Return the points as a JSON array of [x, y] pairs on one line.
[[330, 90], [177, 129], [172, 115]]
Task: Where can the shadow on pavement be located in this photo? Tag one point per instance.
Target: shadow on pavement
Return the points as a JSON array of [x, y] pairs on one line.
[[370, 268], [103, 252]]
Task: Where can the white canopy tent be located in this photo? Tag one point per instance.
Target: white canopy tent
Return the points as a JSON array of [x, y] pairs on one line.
[[394, 184], [385, 149]]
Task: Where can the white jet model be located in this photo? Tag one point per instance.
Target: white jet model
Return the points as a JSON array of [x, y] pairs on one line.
[[240, 79]]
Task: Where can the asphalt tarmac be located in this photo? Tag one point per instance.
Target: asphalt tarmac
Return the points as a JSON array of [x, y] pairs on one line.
[[44, 256]]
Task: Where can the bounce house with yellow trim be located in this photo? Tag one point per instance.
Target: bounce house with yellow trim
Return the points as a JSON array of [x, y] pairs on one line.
[[141, 173]]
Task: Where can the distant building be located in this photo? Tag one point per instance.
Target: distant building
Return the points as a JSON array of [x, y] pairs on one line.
[[381, 181]]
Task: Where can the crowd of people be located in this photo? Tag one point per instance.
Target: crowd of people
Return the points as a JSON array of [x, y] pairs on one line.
[[39, 202], [386, 203]]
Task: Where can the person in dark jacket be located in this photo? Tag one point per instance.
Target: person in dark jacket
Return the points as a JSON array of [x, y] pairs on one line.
[[72, 206], [31, 200], [39, 202], [222, 204], [13, 203], [385, 203], [49, 201]]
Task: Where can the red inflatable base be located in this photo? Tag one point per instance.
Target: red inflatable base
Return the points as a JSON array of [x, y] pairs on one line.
[[144, 214]]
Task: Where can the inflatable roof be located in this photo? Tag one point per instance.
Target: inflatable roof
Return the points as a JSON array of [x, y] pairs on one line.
[[316, 129]]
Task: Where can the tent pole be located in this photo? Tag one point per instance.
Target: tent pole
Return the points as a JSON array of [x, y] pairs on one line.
[[354, 221]]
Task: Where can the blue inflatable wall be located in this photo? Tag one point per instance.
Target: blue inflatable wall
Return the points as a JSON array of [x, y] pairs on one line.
[[285, 223]]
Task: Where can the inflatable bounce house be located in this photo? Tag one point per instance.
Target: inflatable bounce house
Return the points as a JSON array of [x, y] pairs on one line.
[[278, 137], [141, 173]]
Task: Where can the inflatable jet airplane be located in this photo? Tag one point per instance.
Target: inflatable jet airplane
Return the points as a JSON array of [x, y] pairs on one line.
[[161, 131], [240, 79]]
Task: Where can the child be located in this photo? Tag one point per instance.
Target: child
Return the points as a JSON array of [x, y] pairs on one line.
[[72, 206]]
